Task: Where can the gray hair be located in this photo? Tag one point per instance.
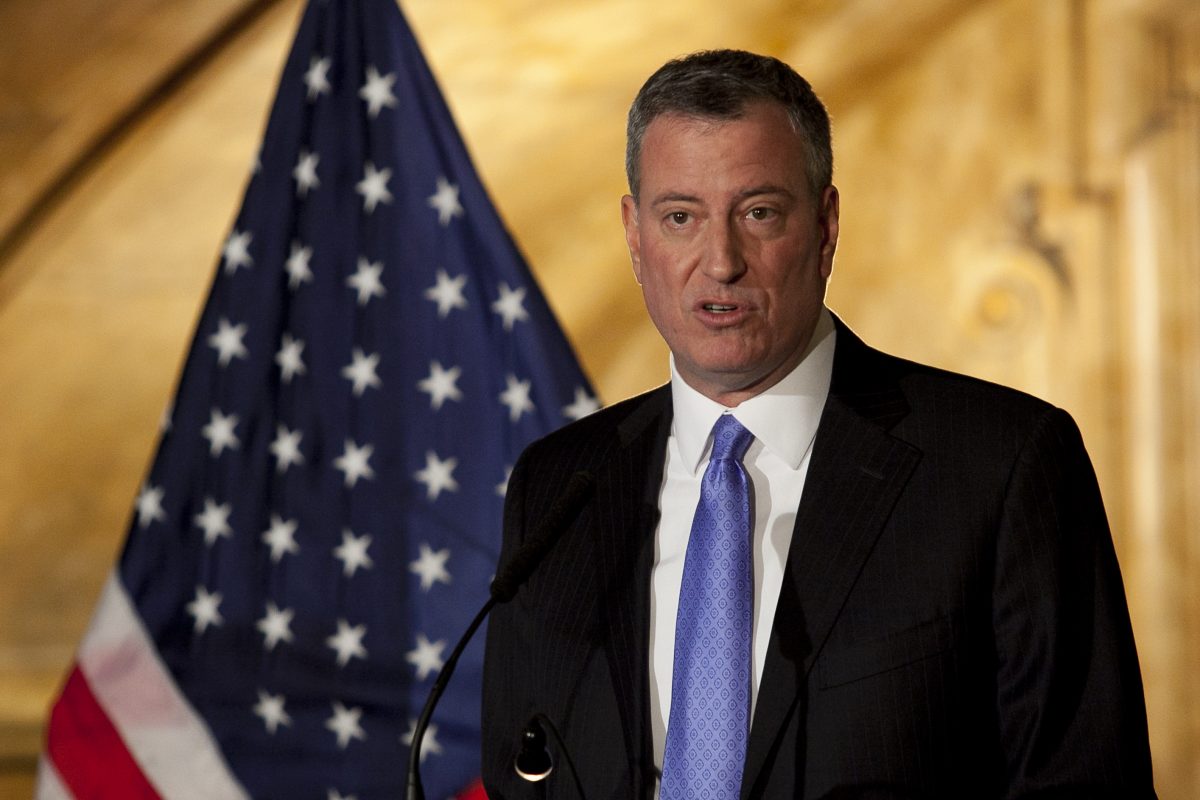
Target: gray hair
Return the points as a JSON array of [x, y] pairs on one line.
[[718, 84]]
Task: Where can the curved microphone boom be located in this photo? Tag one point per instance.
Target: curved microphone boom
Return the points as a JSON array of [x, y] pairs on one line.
[[504, 588]]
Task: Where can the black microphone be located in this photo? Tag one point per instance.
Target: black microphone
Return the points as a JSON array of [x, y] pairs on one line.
[[504, 587], [534, 763]]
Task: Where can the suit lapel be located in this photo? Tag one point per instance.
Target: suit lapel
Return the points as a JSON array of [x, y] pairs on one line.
[[855, 475], [626, 509]]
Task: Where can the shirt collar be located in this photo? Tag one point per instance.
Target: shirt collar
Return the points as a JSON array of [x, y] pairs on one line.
[[784, 417]]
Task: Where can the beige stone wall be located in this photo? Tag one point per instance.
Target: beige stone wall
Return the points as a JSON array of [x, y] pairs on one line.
[[1020, 196]]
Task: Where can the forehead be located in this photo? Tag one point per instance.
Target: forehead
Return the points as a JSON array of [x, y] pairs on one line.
[[679, 146]]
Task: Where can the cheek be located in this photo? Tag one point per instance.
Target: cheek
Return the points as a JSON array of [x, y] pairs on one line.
[[801, 280], [658, 298], [660, 284], [663, 306]]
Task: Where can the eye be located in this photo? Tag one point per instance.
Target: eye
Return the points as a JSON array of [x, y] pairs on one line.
[[679, 217], [761, 214]]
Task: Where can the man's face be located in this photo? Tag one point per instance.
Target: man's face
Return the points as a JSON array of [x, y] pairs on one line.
[[730, 248]]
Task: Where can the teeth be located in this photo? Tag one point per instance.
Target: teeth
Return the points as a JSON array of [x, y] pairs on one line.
[[717, 307]]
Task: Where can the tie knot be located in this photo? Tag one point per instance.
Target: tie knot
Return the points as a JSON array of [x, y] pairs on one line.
[[730, 439]]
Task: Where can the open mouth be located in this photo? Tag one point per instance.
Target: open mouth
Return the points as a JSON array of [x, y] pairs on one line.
[[719, 308]]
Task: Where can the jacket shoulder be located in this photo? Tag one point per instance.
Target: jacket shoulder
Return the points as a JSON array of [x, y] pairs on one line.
[[930, 392], [587, 441]]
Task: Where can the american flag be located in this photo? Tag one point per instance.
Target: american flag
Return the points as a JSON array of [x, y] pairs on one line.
[[323, 514]]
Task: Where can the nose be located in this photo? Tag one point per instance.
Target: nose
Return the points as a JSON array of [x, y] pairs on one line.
[[724, 260]]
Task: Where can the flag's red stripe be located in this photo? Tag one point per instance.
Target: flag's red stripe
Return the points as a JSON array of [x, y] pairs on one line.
[[473, 792], [87, 750]]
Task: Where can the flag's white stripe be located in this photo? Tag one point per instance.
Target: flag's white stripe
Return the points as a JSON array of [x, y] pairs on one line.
[[49, 784], [164, 734]]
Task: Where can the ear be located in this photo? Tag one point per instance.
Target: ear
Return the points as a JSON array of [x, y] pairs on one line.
[[633, 239], [827, 219]]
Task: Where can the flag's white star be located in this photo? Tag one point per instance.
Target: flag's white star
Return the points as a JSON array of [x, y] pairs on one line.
[[289, 358], [438, 475], [516, 397], [354, 462], [149, 505], [298, 269], [164, 423], [286, 448], [365, 280], [281, 537], [345, 723], [445, 200], [447, 292], [227, 341], [373, 187], [219, 432], [334, 794], [276, 626], [348, 642], [305, 172], [214, 521], [361, 371], [317, 77], [440, 385], [352, 552], [583, 405], [502, 487], [237, 250], [431, 566], [377, 91], [511, 306], [429, 744], [426, 657], [205, 608], [270, 708]]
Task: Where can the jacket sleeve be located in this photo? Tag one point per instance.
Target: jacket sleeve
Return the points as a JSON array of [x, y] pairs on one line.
[[1069, 690]]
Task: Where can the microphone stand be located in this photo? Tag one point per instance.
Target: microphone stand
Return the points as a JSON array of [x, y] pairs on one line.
[[414, 790], [504, 587]]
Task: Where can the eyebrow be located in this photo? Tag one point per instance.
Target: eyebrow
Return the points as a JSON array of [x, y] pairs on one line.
[[680, 197], [768, 188], [674, 197]]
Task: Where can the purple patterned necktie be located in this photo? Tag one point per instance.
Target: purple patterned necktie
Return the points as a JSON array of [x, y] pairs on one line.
[[710, 685]]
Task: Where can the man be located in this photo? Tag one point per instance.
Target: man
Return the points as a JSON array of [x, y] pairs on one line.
[[891, 581]]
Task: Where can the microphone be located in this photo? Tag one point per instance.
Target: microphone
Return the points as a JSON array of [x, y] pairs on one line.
[[503, 588], [534, 763]]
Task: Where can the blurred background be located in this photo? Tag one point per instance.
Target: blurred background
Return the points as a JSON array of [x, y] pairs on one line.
[[1020, 187]]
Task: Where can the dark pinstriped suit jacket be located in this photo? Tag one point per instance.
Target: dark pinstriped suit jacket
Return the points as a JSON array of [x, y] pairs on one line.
[[952, 621]]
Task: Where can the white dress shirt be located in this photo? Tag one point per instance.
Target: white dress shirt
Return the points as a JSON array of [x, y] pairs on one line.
[[784, 422]]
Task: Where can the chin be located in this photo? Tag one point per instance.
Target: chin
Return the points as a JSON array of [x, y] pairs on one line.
[[730, 377], [731, 365]]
